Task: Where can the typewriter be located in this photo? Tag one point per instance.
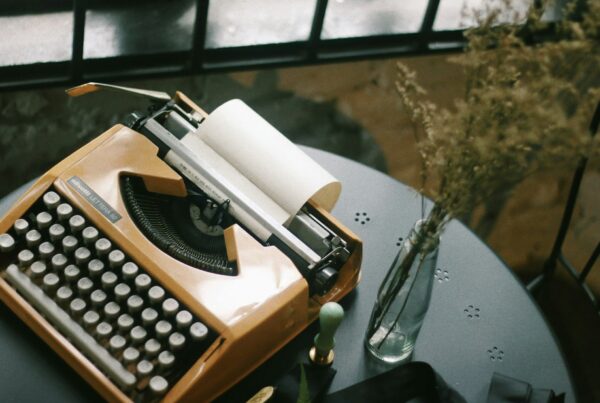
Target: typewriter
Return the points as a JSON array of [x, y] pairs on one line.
[[157, 275]]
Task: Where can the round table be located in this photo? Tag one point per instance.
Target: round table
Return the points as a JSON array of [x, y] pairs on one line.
[[481, 319]]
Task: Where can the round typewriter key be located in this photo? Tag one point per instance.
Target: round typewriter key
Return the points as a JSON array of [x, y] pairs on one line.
[[158, 385], [102, 246], [183, 319], [43, 220], [7, 243], [109, 280], [125, 322], [38, 269], [112, 310], [57, 232], [89, 235], [142, 282], [135, 303], [138, 335], [149, 316], [163, 329], [116, 258], [176, 341], [59, 262], [117, 343], [198, 331], [152, 347], [64, 211], [77, 306], [71, 273], [33, 238], [51, 200], [95, 268], [170, 307], [69, 243], [85, 286], [21, 226], [156, 294], [82, 255], [129, 270], [144, 368], [122, 291], [50, 282], [103, 330], [45, 250], [91, 319], [64, 295], [130, 355], [166, 359], [25, 257], [98, 298], [76, 223]]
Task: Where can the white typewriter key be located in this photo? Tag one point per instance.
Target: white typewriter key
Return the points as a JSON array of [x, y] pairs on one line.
[[103, 330], [183, 319], [117, 343], [46, 249], [166, 359], [156, 294], [170, 307], [59, 262], [51, 200], [102, 246], [112, 310], [142, 282], [7, 243], [89, 235], [43, 220], [144, 368], [149, 316], [109, 280], [64, 295], [25, 257], [158, 385], [163, 329], [129, 270], [64, 211], [152, 347], [138, 335], [57, 232], [116, 258], [69, 243], [85, 285], [33, 238], [72, 273], [82, 255], [125, 322], [38, 269], [77, 306], [198, 331], [98, 298], [176, 341], [130, 355], [21, 226], [135, 303], [122, 291], [91, 319], [76, 223], [95, 268]]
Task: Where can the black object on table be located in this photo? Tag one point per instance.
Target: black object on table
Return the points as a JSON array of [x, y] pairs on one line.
[[481, 319]]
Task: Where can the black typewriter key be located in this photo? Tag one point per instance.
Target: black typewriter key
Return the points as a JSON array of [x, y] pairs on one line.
[[76, 223], [89, 235], [109, 280], [103, 330], [144, 368], [64, 211], [130, 355], [56, 232], [117, 343], [72, 273], [21, 226], [59, 262], [77, 307], [122, 291], [91, 319], [25, 257], [152, 347], [43, 220], [102, 246], [163, 329], [7, 243], [82, 255], [64, 295], [156, 294], [149, 316], [170, 307], [183, 319], [69, 244], [135, 303], [198, 331], [33, 238], [95, 268], [51, 200], [85, 286], [142, 282], [125, 322], [45, 250], [98, 298], [138, 335], [158, 385], [129, 271], [166, 359], [38, 269], [116, 258], [112, 310], [176, 341]]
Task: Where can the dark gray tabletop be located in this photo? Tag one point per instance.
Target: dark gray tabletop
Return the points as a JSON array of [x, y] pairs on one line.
[[510, 335]]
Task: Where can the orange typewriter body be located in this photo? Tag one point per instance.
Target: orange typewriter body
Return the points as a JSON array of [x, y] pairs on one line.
[[251, 315]]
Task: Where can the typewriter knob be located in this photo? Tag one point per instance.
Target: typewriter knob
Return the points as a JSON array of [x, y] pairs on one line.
[[324, 280]]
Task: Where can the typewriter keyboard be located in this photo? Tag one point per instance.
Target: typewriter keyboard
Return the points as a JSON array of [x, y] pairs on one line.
[[121, 319]]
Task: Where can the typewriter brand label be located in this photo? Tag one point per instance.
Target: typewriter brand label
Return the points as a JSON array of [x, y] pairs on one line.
[[98, 202]]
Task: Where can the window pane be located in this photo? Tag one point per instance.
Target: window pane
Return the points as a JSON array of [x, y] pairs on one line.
[[457, 14], [355, 18], [256, 22]]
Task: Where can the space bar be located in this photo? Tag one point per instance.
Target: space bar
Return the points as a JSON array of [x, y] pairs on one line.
[[76, 334]]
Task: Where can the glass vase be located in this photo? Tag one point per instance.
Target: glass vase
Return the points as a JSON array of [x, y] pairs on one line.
[[403, 297]]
